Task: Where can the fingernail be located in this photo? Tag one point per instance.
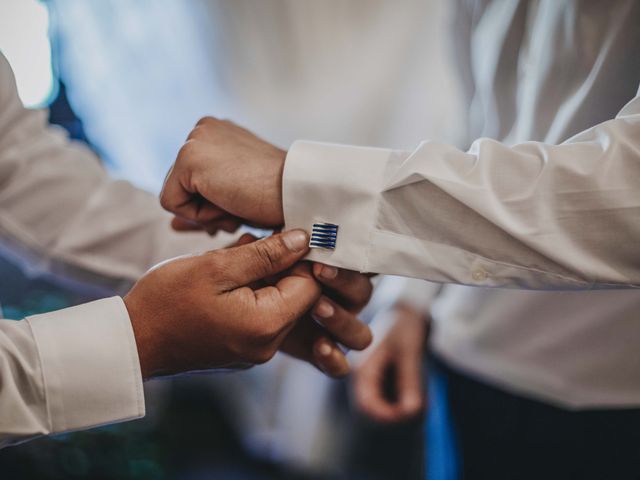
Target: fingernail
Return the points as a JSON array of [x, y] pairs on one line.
[[324, 349], [329, 272], [295, 240], [324, 309]]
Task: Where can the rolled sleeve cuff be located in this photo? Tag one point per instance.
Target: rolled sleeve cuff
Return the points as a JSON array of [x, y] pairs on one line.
[[339, 184], [90, 365]]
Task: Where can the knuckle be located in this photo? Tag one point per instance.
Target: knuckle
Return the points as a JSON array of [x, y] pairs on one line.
[[220, 266], [368, 290], [364, 340], [367, 337], [333, 323], [165, 201], [349, 330], [263, 354], [271, 328], [337, 368], [362, 294], [267, 254], [196, 133], [206, 120], [187, 152], [217, 263], [266, 339]]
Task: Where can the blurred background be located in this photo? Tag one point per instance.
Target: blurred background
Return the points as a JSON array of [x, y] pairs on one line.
[[131, 79]]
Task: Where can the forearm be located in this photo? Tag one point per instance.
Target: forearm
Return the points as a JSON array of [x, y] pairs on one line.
[[530, 216]]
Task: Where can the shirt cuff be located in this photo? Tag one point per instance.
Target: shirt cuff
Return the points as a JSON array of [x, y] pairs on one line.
[[91, 371], [339, 184]]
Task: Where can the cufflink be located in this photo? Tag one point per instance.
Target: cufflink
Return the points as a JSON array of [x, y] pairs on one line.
[[324, 235]]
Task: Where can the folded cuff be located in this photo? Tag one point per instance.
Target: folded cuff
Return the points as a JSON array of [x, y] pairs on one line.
[[338, 184]]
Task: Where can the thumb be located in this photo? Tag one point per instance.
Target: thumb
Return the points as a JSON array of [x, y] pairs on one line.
[[266, 257]]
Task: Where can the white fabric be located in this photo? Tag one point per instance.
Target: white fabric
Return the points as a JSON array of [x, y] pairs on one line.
[[556, 205], [60, 212]]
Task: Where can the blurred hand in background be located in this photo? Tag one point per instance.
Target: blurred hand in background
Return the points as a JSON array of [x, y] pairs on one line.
[[388, 384]]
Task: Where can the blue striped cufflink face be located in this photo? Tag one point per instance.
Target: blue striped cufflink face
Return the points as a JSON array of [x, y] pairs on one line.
[[324, 235]]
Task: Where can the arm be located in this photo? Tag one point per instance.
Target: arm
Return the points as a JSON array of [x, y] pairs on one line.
[[83, 366], [67, 370], [60, 210], [531, 216]]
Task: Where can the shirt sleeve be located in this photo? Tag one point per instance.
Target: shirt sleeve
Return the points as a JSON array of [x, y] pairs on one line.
[[68, 370], [531, 215], [61, 212]]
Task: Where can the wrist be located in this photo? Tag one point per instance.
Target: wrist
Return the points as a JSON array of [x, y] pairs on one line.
[[277, 208]]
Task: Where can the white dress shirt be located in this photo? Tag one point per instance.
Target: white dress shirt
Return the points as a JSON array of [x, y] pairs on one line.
[[61, 213], [554, 205]]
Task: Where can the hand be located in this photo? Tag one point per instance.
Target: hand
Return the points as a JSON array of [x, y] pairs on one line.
[[224, 175], [199, 312], [332, 321], [388, 384]]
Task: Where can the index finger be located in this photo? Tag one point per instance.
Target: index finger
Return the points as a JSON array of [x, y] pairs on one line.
[[353, 288], [344, 326], [173, 194]]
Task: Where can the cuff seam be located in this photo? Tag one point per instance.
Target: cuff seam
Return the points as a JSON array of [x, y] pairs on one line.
[[43, 377], [375, 214], [133, 357]]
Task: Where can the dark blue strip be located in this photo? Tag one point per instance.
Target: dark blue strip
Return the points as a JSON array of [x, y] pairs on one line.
[[326, 227], [323, 235]]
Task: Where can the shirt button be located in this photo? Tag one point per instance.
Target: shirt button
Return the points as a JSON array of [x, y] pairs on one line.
[[479, 275]]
